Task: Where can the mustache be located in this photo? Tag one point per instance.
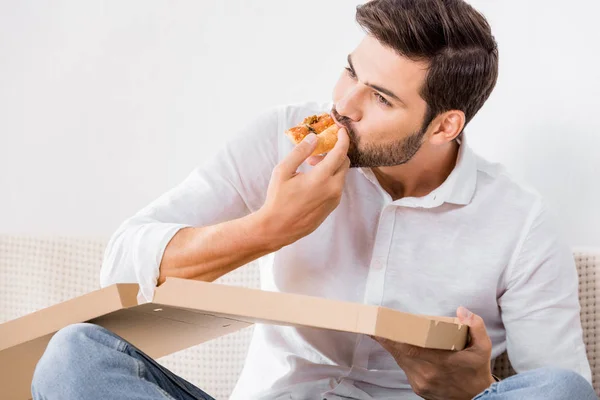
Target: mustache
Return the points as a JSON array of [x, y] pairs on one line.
[[345, 121]]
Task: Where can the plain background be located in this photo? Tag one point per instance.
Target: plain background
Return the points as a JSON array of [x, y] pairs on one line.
[[105, 105]]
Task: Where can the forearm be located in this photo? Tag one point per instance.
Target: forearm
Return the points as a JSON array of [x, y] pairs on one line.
[[207, 253]]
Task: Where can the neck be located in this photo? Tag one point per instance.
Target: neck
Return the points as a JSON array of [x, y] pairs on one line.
[[425, 172]]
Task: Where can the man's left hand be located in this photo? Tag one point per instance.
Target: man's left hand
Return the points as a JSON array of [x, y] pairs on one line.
[[443, 374]]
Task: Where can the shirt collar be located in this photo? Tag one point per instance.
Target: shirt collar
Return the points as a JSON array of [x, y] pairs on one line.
[[458, 188]]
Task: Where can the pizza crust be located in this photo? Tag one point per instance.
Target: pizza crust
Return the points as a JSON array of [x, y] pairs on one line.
[[322, 125]]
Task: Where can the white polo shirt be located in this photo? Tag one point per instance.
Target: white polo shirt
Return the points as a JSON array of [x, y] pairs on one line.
[[480, 240]]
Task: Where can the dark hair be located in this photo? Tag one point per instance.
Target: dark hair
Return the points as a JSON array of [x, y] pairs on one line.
[[455, 40]]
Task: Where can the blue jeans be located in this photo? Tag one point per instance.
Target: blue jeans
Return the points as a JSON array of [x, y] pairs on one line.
[[86, 361]]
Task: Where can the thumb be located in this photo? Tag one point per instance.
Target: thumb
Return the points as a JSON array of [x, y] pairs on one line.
[[301, 152], [477, 331]]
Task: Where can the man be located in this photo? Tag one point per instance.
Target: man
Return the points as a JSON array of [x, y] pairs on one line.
[[401, 213]]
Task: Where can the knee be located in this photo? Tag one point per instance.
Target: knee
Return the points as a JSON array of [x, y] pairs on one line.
[[563, 383], [570, 383], [66, 358]]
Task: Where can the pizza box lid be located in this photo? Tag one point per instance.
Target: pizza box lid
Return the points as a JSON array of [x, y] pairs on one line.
[[184, 313]]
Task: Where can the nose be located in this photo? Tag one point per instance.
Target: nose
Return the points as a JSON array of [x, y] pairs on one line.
[[349, 105]]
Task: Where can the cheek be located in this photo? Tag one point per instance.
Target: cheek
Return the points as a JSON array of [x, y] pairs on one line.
[[383, 127]]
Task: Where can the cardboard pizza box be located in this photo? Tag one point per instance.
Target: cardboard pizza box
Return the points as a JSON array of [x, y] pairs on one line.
[[184, 313]]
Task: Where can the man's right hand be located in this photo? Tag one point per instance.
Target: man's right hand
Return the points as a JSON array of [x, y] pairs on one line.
[[297, 203]]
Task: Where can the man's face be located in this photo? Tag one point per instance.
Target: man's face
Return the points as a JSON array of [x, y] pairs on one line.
[[377, 99]]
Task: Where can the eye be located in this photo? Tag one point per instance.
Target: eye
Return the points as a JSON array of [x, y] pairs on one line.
[[382, 99], [350, 72]]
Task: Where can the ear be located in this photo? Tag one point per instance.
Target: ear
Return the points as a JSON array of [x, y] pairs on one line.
[[446, 127]]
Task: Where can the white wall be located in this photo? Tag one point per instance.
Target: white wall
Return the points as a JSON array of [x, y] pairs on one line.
[[105, 105]]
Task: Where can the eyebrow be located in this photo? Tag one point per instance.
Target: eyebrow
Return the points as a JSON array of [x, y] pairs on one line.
[[376, 87]]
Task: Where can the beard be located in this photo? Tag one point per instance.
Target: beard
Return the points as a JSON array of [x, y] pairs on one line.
[[370, 155]]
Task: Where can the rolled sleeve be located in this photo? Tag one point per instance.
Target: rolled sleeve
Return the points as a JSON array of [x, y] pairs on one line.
[[147, 243], [230, 185]]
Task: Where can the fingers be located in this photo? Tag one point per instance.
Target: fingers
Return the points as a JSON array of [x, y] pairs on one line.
[[290, 164], [314, 160], [477, 331], [337, 156], [390, 347], [343, 169], [406, 353]]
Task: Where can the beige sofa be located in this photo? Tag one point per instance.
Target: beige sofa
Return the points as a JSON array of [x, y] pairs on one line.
[[36, 272]]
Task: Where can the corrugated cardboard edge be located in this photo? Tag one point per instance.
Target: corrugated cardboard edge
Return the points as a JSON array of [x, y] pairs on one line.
[[402, 327], [50, 320], [23, 340], [269, 307], [444, 333]]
